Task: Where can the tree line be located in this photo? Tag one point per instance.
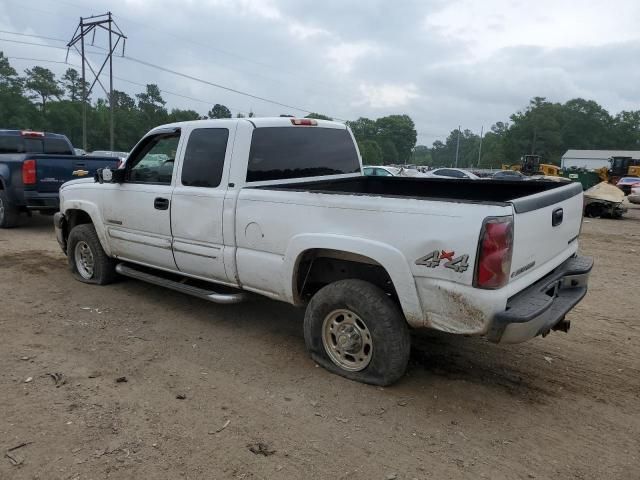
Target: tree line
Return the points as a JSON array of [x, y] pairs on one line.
[[38, 100], [543, 128]]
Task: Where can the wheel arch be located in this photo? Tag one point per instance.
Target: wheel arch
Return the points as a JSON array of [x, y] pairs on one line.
[[384, 260], [81, 212]]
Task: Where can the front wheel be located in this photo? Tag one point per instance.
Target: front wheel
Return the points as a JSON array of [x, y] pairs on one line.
[[352, 328], [87, 259]]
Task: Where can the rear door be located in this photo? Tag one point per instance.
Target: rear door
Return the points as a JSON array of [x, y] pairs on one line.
[[198, 203], [546, 229], [137, 212]]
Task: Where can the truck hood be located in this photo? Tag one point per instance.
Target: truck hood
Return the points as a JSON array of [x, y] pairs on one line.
[[77, 182]]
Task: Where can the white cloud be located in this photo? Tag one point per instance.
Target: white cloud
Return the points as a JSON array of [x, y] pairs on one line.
[[303, 31], [488, 26], [387, 95], [344, 55]]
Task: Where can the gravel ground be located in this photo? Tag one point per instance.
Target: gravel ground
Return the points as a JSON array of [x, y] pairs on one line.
[[134, 381]]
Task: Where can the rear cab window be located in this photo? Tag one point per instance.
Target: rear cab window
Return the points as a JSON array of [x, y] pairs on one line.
[[47, 145], [57, 146], [279, 153]]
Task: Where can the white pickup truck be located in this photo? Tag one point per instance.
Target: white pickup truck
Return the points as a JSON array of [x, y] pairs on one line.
[[279, 207]]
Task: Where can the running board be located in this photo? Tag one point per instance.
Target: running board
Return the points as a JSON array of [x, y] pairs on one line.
[[210, 295]]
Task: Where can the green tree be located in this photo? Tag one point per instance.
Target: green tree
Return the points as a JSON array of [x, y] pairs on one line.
[[370, 152], [389, 151], [626, 129], [421, 155], [43, 82], [318, 116], [178, 115], [72, 83], [363, 129], [151, 107], [219, 111], [16, 111], [401, 131]]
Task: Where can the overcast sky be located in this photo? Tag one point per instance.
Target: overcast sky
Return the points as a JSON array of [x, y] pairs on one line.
[[443, 63]]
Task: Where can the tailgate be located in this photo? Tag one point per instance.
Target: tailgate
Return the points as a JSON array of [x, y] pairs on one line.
[[546, 227], [53, 170]]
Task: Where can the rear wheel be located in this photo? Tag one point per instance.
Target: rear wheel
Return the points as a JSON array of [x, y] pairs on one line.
[[352, 328], [87, 259], [9, 214]]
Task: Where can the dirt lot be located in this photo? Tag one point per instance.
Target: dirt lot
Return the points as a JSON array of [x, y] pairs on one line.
[[566, 406]]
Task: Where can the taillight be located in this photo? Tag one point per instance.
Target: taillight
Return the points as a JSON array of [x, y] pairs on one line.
[[29, 172], [494, 253], [304, 121], [31, 134]]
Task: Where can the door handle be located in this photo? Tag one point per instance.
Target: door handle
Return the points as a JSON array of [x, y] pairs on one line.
[[160, 203]]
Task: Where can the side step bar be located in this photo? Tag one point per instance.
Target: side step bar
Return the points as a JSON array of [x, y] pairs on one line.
[[210, 295]]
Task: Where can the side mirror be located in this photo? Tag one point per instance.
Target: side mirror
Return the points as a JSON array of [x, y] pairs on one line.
[[106, 175]]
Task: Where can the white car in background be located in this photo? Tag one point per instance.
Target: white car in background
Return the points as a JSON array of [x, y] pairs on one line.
[[380, 171], [634, 196], [452, 173]]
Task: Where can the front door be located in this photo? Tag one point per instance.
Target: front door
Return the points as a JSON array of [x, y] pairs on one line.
[[137, 211], [197, 204]]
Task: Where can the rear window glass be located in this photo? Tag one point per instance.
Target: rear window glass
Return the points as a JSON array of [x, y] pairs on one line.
[[57, 146], [204, 157], [20, 144], [11, 144], [295, 152]]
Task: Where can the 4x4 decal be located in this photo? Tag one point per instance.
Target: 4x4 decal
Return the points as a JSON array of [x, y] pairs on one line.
[[432, 260]]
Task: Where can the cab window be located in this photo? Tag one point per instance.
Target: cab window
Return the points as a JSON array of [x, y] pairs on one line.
[[154, 160], [204, 157]]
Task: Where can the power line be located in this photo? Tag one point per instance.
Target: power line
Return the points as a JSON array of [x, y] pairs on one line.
[[20, 42], [217, 85], [183, 75], [33, 35]]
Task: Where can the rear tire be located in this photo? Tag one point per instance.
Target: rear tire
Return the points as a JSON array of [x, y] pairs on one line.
[[87, 259], [9, 213], [352, 328]]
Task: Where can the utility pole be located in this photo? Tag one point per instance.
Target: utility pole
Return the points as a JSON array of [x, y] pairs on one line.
[[480, 149], [458, 146], [86, 26]]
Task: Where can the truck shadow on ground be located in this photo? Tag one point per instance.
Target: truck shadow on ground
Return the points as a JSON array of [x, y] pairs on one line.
[[435, 355], [476, 361]]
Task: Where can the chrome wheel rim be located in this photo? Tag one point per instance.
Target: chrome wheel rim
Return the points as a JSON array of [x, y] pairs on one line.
[[347, 340], [84, 259]]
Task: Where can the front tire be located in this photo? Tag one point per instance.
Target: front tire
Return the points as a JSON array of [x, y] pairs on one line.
[[87, 259], [9, 214], [352, 328]]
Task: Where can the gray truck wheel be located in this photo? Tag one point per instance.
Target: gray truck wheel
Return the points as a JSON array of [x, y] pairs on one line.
[[87, 260], [354, 329], [9, 214]]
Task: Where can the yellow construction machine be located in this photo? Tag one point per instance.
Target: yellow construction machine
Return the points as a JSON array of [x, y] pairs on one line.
[[531, 165]]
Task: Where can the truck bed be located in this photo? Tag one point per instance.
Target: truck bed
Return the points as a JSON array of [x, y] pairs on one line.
[[459, 190]]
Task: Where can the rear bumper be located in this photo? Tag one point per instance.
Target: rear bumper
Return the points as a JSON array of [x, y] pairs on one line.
[[41, 201], [543, 306], [60, 225]]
